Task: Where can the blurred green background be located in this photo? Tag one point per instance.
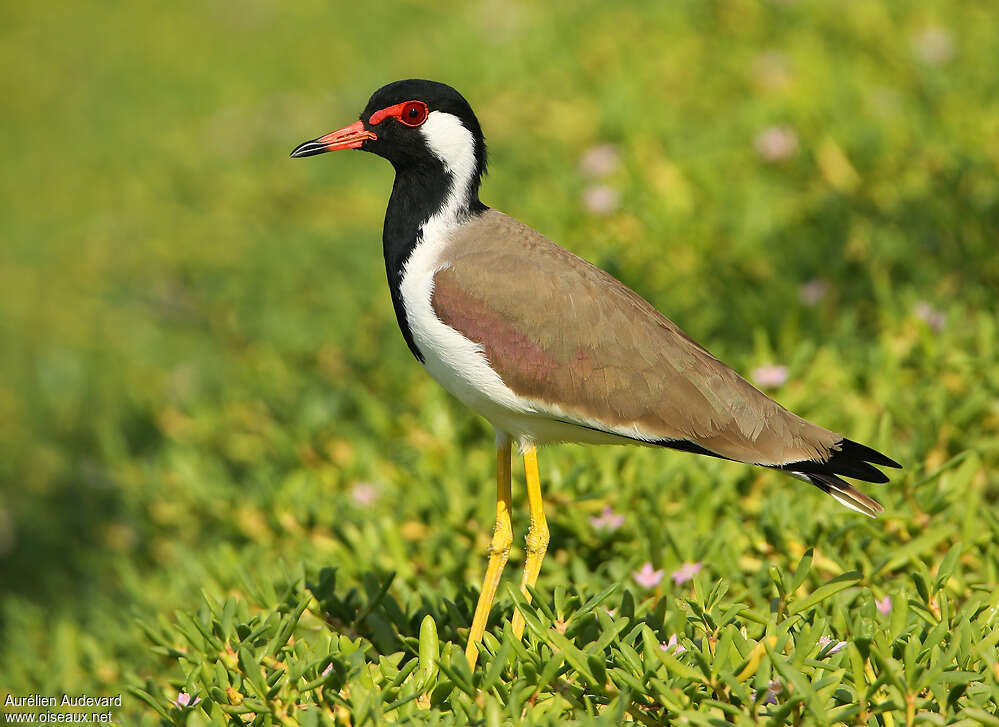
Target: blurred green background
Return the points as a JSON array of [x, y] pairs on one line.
[[200, 368]]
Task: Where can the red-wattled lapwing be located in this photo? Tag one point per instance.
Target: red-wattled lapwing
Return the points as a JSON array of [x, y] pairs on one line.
[[546, 346]]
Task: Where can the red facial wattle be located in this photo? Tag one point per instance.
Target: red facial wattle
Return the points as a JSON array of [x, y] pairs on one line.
[[408, 113]]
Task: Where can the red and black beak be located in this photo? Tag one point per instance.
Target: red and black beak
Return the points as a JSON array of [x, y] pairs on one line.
[[349, 137]]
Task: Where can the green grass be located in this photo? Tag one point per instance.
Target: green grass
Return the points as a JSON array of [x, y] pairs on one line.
[[199, 364]]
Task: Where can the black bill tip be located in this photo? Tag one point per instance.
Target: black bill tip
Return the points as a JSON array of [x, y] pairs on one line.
[[309, 149]]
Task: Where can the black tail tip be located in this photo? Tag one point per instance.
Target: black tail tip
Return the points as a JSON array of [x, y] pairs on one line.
[[847, 459], [863, 452]]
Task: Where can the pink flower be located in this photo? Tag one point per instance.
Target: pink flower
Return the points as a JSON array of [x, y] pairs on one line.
[[776, 143], [599, 161], [328, 669], [648, 577], [769, 376], [884, 605], [673, 646], [685, 572], [364, 494], [184, 700], [835, 649], [929, 315], [607, 520], [600, 199], [813, 291]]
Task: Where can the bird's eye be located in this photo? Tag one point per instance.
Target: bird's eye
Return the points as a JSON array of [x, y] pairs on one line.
[[414, 113]]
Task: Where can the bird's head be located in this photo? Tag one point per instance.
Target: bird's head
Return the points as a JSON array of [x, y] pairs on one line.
[[418, 126]]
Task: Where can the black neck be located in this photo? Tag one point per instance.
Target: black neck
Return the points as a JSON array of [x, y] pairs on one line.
[[419, 192]]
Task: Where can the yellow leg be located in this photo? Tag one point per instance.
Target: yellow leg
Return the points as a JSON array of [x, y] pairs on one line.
[[499, 551], [537, 534]]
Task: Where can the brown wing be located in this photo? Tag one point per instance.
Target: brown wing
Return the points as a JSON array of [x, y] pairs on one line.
[[561, 331]]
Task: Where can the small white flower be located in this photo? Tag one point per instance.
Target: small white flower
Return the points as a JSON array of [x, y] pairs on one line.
[[607, 520], [364, 494], [776, 143], [599, 161], [685, 572], [600, 199], [934, 46], [184, 700], [824, 641], [648, 577], [929, 315], [673, 646], [769, 376], [813, 291]]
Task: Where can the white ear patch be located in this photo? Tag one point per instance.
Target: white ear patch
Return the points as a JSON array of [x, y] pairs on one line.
[[454, 145]]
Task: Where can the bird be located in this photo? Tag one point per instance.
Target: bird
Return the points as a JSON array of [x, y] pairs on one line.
[[548, 347]]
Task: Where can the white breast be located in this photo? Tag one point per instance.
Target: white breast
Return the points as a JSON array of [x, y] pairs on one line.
[[460, 364], [457, 363]]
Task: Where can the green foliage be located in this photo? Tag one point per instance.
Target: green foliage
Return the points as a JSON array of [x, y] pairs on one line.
[[305, 655], [201, 380]]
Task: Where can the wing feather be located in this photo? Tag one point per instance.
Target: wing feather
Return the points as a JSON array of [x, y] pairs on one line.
[[583, 346]]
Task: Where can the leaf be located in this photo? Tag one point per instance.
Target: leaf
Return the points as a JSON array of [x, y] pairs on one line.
[[981, 716], [756, 656], [288, 627], [429, 652], [251, 670], [801, 571], [150, 700], [189, 629], [228, 619], [673, 665], [914, 549], [595, 601], [529, 612], [375, 600], [496, 666], [823, 592], [609, 634], [801, 684], [947, 566], [576, 658]]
